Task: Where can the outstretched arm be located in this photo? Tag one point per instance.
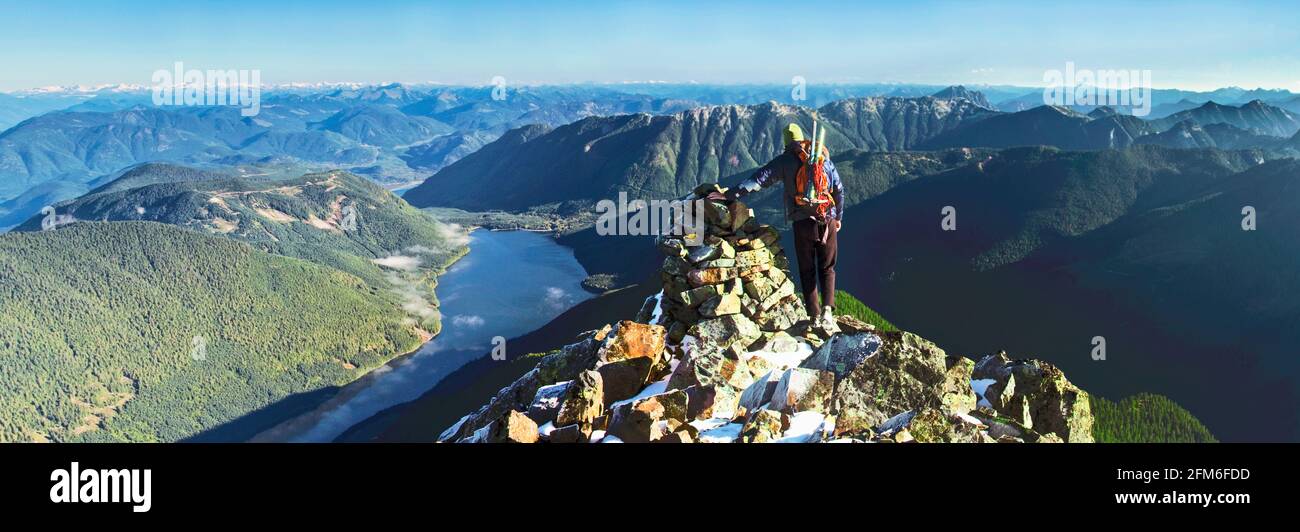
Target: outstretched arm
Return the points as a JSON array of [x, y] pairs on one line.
[[762, 178]]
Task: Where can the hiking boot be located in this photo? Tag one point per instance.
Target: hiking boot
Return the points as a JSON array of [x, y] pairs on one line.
[[827, 321]]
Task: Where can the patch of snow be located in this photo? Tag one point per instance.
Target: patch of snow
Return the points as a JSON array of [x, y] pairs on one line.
[[805, 427], [725, 434], [897, 422], [548, 397], [970, 419], [783, 360], [655, 388], [596, 436], [546, 429], [709, 424], [980, 385], [610, 439], [659, 308]]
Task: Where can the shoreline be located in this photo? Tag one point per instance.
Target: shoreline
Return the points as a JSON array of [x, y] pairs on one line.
[[303, 420]]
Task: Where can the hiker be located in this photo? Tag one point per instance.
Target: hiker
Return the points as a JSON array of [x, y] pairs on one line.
[[815, 213]]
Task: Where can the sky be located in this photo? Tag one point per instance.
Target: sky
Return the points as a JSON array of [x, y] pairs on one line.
[[1196, 45]]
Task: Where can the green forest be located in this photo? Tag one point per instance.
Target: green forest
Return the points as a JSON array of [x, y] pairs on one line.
[[138, 331], [1145, 418], [847, 305]]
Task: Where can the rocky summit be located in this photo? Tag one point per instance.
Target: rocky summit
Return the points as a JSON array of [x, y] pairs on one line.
[[725, 353]]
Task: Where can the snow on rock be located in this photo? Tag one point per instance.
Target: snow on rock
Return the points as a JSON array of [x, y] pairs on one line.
[[980, 385], [655, 388], [783, 360], [728, 433], [658, 307], [807, 427]]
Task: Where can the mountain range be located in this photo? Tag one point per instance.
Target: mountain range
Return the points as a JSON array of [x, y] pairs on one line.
[[666, 156], [391, 134]]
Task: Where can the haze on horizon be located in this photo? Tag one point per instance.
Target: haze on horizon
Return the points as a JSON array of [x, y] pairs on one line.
[[1196, 45]]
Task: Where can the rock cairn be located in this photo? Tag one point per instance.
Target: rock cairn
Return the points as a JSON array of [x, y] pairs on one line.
[[724, 354], [732, 291]]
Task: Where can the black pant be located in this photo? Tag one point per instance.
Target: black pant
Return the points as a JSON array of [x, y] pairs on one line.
[[816, 262]]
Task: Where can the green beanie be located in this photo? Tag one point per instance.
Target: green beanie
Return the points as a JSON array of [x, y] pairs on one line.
[[792, 133]]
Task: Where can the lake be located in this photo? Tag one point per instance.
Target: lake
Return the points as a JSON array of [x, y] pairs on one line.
[[510, 283]]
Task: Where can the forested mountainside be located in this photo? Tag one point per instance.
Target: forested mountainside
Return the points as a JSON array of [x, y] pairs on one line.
[[139, 331]]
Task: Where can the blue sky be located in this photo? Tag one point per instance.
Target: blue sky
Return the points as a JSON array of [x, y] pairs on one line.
[[1189, 44]]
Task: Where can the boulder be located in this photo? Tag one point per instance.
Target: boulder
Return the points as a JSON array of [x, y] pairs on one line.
[[1037, 395], [583, 401], [624, 379], [513, 427], [931, 425], [851, 325], [759, 394], [764, 426], [703, 368], [546, 403], [710, 401], [803, 389], [843, 353], [958, 396], [636, 421], [569, 434], [905, 373], [721, 333], [633, 340]]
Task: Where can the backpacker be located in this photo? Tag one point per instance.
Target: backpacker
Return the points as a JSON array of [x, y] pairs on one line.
[[812, 188]]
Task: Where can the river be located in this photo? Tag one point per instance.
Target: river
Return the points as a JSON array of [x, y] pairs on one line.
[[510, 283]]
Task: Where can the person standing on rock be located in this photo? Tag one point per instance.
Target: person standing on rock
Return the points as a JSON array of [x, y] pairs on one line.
[[813, 205]]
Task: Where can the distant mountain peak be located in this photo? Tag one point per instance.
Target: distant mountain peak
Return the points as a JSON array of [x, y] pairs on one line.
[[1102, 112], [960, 91]]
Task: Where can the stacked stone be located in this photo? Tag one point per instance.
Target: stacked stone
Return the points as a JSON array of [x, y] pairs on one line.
[[731, 290]]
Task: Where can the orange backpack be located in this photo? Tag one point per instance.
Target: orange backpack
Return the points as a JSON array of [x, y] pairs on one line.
[[820, 195]]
